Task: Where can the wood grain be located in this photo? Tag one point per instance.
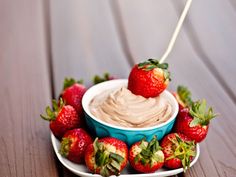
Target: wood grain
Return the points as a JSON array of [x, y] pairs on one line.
[[212, 37], [84, 41], [25, 90]]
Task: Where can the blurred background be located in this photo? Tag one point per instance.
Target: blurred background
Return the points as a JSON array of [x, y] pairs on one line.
[[82, 38]]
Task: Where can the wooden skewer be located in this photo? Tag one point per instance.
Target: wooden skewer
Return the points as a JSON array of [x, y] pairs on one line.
[[176, 32]]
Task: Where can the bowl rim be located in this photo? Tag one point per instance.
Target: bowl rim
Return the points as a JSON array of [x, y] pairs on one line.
[[124, 82]]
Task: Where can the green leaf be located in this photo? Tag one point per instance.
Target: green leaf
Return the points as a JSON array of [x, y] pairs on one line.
[[141, 65], [45, 117], [98, 79], [201, 114], [183, 150], [136, 159], [151, 64], [149, 67], [202, 107], [163, 66], [54, 105], [116, 157], [115, 164], [167, 75], [95, 144], [194, 122], [184, 95], [71, 81], [105, 172], [49, 112], [65, 146]]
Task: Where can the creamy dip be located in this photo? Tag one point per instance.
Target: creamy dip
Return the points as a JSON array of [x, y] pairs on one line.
[[122, 108]]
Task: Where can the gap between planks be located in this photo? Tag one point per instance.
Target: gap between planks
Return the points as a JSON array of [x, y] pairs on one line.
[[48, 44], [118, 23]]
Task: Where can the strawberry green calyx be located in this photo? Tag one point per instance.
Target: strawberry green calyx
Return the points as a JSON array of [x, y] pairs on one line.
[[65, 146], [184, 95], [98, 79], [71, 81], [200, 114], [184, 150], [109, 162], [153, 63], [148, 152], [52, 113]]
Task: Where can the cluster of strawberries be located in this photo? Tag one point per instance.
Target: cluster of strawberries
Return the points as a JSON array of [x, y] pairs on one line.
[[108, 156]]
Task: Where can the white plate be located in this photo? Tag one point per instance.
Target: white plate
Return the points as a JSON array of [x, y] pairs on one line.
[[82, 171]]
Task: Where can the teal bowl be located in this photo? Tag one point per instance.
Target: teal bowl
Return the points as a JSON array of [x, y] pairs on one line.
[[100, 128]]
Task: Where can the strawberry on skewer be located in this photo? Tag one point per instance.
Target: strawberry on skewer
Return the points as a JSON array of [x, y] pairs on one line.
[[149, 79]]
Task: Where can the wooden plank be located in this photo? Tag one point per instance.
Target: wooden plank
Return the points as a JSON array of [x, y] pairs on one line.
[[25, 90], [213, 38], [84, 41], [143, 23]]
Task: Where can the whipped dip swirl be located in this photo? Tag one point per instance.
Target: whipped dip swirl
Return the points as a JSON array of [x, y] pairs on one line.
[[122, 108]]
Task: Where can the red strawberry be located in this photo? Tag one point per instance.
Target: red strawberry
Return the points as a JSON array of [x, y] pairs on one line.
[[193, 118], [146, 157], [106, 156], [74, 144], [62, 118], [178, 150], [106, 77], [73, 93], [149, 78]]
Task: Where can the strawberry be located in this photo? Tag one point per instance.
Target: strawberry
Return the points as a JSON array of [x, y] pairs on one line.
[[62, 118], [178, 150], [72, 94], [74, 144], [146, 157], [149, 78], [106, 77], [193, 118], [106, 156]]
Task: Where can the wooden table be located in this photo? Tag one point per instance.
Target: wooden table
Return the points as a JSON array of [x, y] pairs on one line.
[[41, 42]]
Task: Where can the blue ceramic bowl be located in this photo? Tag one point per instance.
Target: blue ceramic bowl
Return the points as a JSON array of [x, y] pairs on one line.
[[130, 135]]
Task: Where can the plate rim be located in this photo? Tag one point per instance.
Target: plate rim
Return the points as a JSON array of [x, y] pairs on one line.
[[161, 173]]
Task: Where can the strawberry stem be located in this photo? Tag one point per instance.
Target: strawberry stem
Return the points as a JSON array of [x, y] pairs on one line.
[[109, 162], [184, 95], [51, 114], [183, 150], [98, 79], [65, 146], [150, 64], [200, 114], [148, 152], [71, 81]]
